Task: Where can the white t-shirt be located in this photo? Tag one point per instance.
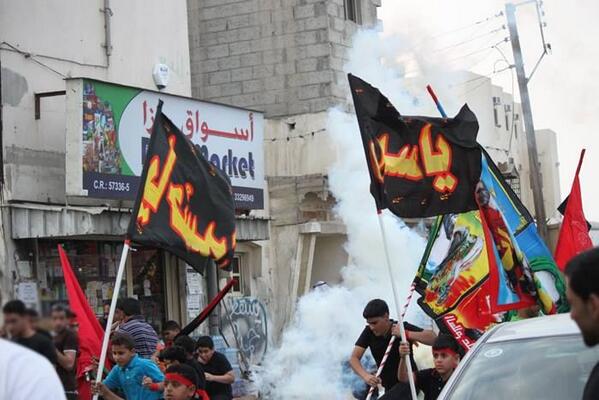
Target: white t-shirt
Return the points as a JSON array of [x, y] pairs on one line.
[[26, 375]]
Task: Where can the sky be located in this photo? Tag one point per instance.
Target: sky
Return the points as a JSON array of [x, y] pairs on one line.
[[458, 34]]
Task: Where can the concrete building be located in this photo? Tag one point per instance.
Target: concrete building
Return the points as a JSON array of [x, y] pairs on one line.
[[284, 58], [45, 47], [502, 134], [549, 161]]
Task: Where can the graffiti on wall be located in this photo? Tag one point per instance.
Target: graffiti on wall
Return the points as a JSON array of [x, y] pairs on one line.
[[245, 326]]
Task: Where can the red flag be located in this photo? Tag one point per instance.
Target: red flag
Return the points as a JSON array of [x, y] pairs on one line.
[[90, 331], [573, 235]]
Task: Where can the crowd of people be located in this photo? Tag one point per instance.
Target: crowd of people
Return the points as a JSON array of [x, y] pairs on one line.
[[36, 364], [582, 278], [144, 366]]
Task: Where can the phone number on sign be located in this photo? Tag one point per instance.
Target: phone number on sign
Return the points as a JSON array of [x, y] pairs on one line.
[[111, 186], [244, 197]]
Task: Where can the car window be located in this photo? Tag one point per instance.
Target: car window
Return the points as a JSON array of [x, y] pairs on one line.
[[548, 368]]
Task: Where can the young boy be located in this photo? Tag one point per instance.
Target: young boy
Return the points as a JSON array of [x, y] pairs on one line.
[[128, 374], [180, 383], [169, 332], [218, 370], [431, 381], [175, 356]]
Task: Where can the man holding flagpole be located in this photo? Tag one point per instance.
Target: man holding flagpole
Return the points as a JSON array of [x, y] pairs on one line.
[[376, 337]]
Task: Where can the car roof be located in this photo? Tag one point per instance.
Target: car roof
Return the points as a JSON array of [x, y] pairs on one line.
[[551, 325]]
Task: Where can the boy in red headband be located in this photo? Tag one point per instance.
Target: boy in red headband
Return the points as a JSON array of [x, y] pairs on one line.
[[180, 383], [431, 381]]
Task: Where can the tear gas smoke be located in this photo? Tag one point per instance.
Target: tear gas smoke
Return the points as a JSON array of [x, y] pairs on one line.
[[311, 361]]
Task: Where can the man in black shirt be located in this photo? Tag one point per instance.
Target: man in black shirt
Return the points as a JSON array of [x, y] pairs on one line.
[[19, 327], [67, 347], [189, 347], [432, 380], [218, 370], [582, 278], [376, 337]]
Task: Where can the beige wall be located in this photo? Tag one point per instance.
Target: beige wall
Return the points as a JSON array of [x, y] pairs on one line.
[[329, 258], [44, 42], [308, 150], [67, 37], [549, 160]]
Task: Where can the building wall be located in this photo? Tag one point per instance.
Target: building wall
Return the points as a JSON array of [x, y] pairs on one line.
[[65, 39], [42, 44], [502, 134], [280, 57], [284, 58], [549, 166], [329, 257]]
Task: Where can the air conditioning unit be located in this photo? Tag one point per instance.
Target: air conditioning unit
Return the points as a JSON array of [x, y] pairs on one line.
[[508, 169]]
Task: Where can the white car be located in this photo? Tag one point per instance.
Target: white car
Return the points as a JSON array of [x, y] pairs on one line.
[[540, 358]]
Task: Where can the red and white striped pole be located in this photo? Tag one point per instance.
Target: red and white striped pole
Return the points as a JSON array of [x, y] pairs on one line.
[[390, 345]]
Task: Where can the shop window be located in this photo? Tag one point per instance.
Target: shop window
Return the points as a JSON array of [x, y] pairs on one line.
[[147, 284], [95, 264], [236, 272]]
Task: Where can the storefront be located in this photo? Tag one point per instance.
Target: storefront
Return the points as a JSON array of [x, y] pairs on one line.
[[92, 238], [108, 129], [95, 263]]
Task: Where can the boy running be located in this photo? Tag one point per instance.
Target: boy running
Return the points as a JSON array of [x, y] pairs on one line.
[[127, 376]]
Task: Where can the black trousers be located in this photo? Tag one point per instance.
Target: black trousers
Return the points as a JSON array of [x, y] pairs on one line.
[[400, 391], [220, 397]]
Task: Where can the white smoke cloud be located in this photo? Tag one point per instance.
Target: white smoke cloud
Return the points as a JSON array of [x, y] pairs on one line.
[[309, 363]]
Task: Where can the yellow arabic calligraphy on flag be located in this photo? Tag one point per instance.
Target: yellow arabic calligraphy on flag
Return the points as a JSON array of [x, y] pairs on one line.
[[185, 204]]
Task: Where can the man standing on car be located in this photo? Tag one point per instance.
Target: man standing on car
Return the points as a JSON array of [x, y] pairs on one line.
[[582, 278]]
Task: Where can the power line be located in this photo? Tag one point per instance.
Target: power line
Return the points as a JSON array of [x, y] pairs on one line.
[[486, 76], [471, 25], [31, 57], [474, 88], [293, 137], [487, 47], [67, 60], [463, 42]]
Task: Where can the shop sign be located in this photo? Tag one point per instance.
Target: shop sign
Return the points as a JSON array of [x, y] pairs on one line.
[[108, 132]]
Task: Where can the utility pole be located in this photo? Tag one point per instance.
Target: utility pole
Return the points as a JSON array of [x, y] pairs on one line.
[[212, 289], [535, 177]]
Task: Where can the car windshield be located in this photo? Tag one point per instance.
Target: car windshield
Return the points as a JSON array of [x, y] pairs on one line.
[[548, 368]]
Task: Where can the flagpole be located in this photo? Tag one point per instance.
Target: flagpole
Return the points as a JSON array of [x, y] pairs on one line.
[[402, 331], [430, 91], [580, 162], [115, 295]]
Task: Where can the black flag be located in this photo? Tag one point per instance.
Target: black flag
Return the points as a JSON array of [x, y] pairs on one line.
[[419, 166], [562, 211], [184, 204]]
